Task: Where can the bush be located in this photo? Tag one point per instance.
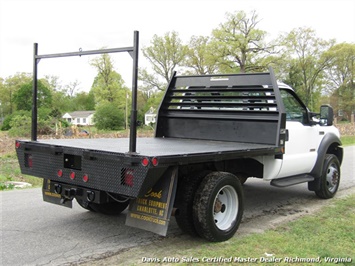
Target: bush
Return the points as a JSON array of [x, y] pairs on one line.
[[20, 125], [109, 117], [8, 119], [6, 124]]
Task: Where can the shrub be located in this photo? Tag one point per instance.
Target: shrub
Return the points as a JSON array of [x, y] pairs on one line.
[[109, 117]]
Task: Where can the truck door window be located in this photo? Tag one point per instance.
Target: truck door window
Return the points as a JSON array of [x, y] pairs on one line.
[[295, 111]]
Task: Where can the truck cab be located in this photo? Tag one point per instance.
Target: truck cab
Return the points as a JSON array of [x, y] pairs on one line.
[[308, 137]]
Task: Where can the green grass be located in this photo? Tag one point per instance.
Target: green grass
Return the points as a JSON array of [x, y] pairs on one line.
[[10, 171], [328, 233], [348, 140]]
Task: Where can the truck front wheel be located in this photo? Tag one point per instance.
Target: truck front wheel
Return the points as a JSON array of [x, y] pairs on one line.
[[330, 179], [218, 206]]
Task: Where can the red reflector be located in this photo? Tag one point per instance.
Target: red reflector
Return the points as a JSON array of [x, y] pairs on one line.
[[155, 161], [17, 144], [72, 175], [30, 161], [60, 173], [85, 178], [128, 177], [145, 162]]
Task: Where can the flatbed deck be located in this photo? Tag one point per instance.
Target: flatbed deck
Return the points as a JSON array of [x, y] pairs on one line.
[[108, 158], [162, 147]]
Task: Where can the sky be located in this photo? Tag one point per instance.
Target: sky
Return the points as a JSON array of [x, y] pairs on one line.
[[70, 25]]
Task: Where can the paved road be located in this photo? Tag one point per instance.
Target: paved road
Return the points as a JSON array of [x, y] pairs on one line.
[[37, 233]]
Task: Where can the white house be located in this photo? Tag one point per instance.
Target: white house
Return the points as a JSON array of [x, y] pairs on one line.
[[82, 118], [150, 116]]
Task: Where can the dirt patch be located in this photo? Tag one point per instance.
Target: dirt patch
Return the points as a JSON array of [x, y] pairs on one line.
[[7, 144], [175, 245], [346, 129]]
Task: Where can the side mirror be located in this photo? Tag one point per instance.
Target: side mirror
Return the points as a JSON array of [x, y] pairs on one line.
[[326, 115]]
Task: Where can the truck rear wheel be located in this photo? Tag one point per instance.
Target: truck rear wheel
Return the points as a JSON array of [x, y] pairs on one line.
[[330, 179], [184, 202], [111, 208], [85, 205], [218, 206], [242, 177]]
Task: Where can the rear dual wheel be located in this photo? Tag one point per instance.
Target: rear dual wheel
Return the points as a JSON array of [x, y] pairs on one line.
[[110, 208], [218, 206], [185, 199]]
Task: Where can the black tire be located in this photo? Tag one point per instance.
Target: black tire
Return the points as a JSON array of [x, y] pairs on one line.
[[330, 179], [184, 201], [85, 205], [218, 206], [242, 177], [111, 208]]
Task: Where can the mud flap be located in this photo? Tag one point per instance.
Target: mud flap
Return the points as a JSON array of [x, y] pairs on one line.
[[50, 196], [152, 212]]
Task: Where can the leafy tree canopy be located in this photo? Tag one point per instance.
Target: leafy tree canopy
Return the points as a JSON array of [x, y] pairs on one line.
[[23, 97], [164, 55], [109, 117], [239, 43], [108, 84]]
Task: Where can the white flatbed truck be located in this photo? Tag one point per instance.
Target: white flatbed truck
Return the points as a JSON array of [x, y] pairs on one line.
[[212, 133]]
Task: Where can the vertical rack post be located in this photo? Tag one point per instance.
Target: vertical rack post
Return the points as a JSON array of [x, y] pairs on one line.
[[133, 126], [133, 51], [34, 94]]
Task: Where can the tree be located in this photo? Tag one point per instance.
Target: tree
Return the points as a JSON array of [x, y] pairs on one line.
[[108, 84], [8, 87], [239, 43], [307, 58], [340, 75], [83, 101], [71, 88], [109, 117], [201, 57], [164, 54], [23, 97]]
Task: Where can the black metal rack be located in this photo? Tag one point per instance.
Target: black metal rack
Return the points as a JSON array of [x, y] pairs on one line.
[[234, 107], [133, 51]]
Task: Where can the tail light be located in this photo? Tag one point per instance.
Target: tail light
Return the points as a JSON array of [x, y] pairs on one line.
[[86, 178], [145, 162], [60, 173], [28, 160], [72, 175], [155, 161], [17, 144], [128, 177]]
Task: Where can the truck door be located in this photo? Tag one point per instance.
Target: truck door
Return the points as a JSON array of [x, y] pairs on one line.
[[302, 137]]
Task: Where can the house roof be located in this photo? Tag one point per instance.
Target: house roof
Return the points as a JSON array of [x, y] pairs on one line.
[[81, 114], [151, 111]]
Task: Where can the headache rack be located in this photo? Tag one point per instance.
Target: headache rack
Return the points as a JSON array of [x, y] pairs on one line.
[[133, 51], [239, 107]]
